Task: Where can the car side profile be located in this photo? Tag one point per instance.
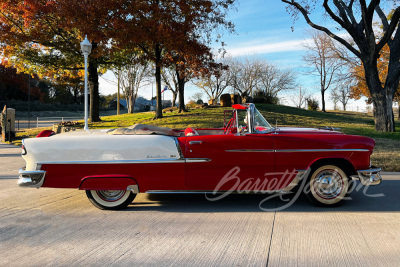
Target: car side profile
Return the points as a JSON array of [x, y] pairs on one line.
[[246, 154]]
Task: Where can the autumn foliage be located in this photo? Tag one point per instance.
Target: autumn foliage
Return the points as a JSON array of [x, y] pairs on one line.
[[43, 36], [360, 88]]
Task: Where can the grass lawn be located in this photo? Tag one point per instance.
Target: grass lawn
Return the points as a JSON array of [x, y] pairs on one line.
[[386, 154]]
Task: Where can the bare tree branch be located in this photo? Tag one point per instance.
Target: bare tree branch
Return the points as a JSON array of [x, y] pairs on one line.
[[324, 29]]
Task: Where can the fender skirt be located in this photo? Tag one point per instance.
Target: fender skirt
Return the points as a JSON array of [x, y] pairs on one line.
[[108, 182]]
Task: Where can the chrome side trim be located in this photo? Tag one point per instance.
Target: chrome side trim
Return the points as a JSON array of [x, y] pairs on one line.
[[370, 177], [197, 160], [134, 188], [139, 161], [250, 150], [297, 150], [31, 178], [322, 150], [301, 174], [150, 161]]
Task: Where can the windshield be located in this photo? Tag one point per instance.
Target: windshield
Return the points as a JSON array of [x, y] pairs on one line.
[[260, 123]]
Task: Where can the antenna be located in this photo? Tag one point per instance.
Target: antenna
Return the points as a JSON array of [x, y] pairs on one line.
[[276, 124]]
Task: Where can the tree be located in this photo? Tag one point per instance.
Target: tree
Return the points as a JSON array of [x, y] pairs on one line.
[[300, 99], [320, 56], [358, 75], [133, 75], [197, 98], [214, 82], [273, 80], [170, 79], [357, 19], [341, 94], [43, 37], [335, 98], [250, 73], [167, 27], [245, 75]]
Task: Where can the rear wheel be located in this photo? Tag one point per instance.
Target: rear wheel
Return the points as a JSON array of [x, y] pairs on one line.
[[327, 185], [110, 199]]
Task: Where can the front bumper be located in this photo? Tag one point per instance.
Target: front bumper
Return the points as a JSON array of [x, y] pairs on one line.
[[31, 178], [370, 177]]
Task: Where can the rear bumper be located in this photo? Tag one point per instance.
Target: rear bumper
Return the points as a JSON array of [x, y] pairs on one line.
[[370, 177], [31, 178]]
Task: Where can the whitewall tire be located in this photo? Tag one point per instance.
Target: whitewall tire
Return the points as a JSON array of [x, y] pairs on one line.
[[110, 199], [327, 185]]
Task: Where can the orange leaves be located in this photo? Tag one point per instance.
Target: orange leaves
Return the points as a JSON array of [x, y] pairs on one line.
[[361, 88]]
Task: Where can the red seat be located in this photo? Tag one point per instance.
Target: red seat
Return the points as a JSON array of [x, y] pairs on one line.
[[190, 132]]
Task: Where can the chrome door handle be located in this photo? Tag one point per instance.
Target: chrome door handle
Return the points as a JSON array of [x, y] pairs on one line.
[[195, 142]]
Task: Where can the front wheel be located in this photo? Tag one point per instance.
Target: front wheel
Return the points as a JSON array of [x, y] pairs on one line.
[[327, 185], [110, 199]]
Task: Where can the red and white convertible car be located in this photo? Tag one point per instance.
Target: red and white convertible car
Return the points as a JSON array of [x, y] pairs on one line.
[[246, 155]]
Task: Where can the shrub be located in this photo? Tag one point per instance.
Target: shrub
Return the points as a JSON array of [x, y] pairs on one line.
[[191, 104], [312, 103], [225, 100], [265, 97]]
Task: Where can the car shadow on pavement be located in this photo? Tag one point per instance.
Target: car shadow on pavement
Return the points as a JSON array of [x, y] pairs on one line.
[[382, 198]]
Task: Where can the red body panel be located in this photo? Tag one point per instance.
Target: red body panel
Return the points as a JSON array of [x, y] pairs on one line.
[[162, 176], [290, 140], [224, 151], [106, 182]]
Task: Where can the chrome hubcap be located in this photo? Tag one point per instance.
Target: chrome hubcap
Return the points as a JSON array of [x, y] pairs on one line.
[[328, 184], [111, 195]]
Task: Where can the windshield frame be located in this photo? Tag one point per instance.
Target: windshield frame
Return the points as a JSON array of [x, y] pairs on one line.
[[252, 110]]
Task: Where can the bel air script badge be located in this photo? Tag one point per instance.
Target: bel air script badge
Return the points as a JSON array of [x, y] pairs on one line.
[[159, 156]]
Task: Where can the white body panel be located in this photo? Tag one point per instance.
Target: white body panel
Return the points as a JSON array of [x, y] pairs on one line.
[[97, 146]]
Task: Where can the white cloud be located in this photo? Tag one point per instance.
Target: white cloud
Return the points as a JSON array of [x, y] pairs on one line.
[[287, 46]]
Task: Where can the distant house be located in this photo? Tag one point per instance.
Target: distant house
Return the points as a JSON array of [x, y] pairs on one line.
[[122, 104], [141, 104]]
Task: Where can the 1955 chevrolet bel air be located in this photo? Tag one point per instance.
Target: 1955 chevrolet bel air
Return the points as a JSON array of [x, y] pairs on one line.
[[246, 155]]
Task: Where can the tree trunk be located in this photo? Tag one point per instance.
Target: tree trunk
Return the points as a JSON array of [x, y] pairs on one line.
[[323, 99], [398, 110], [94, 115], [181, 89], [129, 101], [383, 115], [382, 99], [174, 95], [158, 83]]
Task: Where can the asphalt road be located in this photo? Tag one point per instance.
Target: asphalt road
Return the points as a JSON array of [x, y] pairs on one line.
[[54, 227]]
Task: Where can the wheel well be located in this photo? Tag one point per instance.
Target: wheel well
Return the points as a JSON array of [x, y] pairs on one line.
[[348, 168]]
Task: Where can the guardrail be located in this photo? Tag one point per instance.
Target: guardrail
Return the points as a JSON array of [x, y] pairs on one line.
[[37, 122]]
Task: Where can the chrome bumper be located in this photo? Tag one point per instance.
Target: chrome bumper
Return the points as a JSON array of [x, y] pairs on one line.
[[370, 176], [31, 178]]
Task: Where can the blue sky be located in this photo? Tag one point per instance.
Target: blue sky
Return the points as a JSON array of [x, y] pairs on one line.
[[263, 28]]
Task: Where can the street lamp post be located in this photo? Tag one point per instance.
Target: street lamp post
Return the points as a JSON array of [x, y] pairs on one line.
[[86, 48]]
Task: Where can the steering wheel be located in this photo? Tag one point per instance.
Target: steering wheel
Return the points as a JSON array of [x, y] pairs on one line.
[[229, 126]]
